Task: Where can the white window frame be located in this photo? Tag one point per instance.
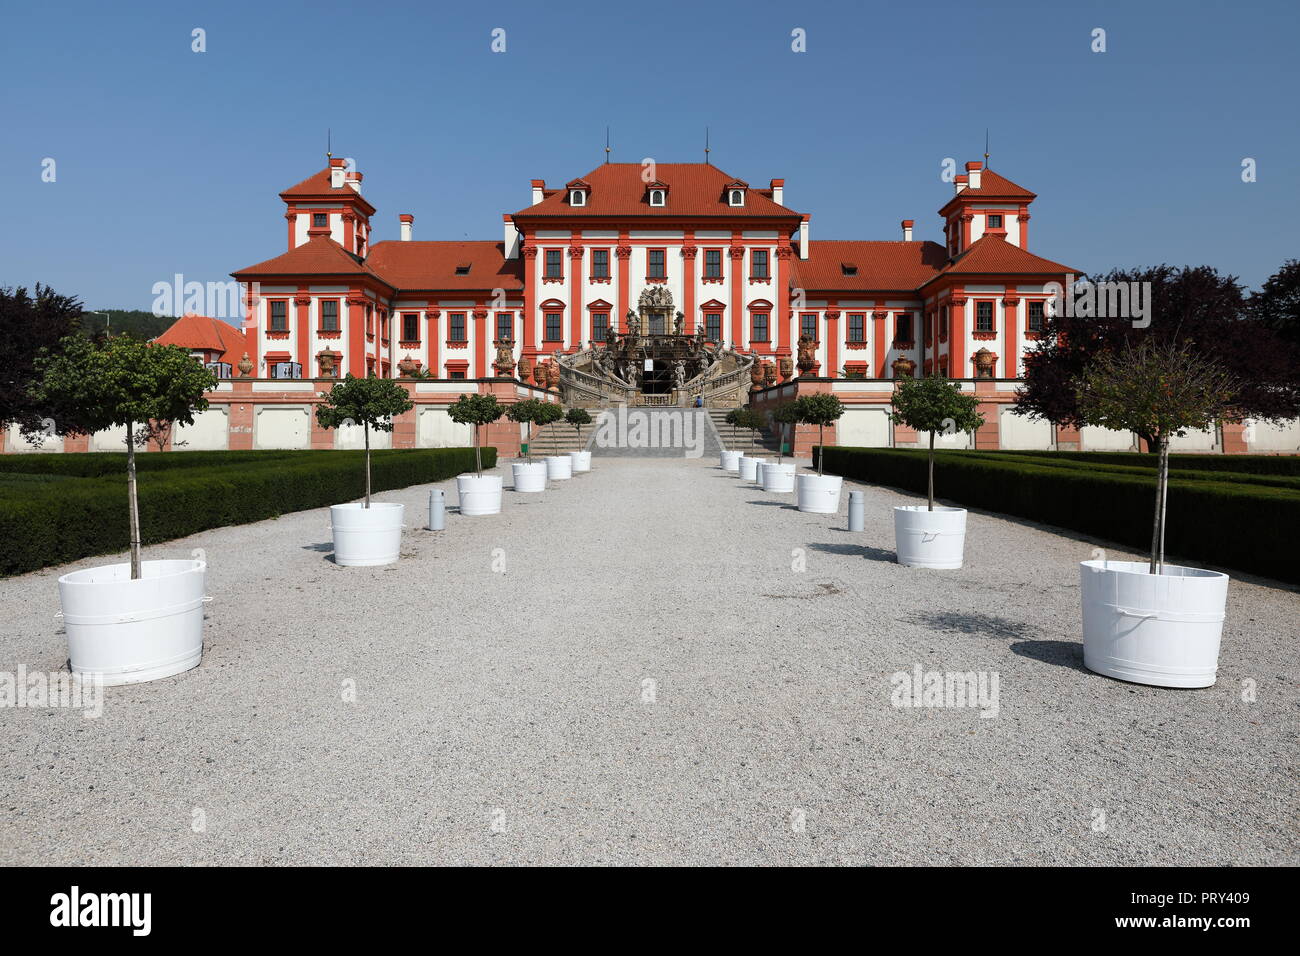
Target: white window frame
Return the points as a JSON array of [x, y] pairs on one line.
[[577, 197], [663, 197], [733, 195]]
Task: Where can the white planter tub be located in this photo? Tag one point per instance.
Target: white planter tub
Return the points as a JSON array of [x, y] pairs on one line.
[[134, 631], [819, 494], [530, 476], [778, 477], [581, 460], [364, 537], [929, 539], [749, 467], [1157, 629], [731, 461], [479, 496], [559, 467]]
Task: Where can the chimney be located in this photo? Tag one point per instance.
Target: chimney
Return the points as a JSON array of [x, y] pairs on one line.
[[803, 237], [907, 229], [974, 171], [959, 184], [538, 186], [353, 180], [336, 173], [407, 221], [511, 243], [778, 191]]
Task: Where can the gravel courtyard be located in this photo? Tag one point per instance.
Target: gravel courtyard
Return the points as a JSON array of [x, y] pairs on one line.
[[652, 663]]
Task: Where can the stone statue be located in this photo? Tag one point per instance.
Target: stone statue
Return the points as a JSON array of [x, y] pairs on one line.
[[678, 324], [679, 372], [505, 363], [807, 353], [611, 337], [633, 324]]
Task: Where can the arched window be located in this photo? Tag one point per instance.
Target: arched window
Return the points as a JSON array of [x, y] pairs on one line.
[[657, 197]]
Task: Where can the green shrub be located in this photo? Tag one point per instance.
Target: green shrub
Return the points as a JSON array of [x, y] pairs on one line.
[[53, 522], [1219, 522]]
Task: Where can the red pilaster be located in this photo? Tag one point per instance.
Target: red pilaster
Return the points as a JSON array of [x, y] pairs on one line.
[[356, 335], [623, 253], [956, 337], [529, 251], [739, 314], [432, 314], [832, 338], [689, 252], [576, 283], [480, 341], [1010, 316], [783, 317], [303, 301], [880, 335]]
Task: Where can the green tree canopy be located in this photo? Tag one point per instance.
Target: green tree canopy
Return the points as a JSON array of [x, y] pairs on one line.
[[820, 409], [370, 402], [476, 410], [934, 404]]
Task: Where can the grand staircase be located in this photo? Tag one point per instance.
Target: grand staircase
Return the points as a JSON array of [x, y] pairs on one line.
[[738, 439]]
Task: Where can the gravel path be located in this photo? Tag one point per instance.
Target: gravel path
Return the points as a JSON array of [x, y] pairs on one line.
[[672, 667]]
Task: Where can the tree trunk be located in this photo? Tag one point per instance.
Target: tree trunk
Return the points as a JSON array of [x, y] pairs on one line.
[[1164, 498], [1158, 520], [821, 447], [366, 428], [134, 503], [931, 470], [478, 460]]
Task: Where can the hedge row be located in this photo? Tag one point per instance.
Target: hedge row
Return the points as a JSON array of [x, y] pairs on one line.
[[97, 464], [63, 521], [1222, 523], [1143, 470], [1244, 464]]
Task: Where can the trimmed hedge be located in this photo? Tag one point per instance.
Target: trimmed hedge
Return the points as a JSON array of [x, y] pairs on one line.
[[1247, 526], [1243, 464], [43, 523], [1143, 470], [110, 463]]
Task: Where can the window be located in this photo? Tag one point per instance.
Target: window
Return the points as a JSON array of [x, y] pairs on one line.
[[505, 326], [577, 197], [713, 326], [848, 270], [655, 264], [554, 264], [462, 270], [808, 324], [657, 197], [370, 320], [329, 315], [319, 220], [759, 327], [903, 327], [600, 263], [1036, 316], [713, 263], [456, 327], [995, 222], [983, 316], [457, 374], [857, 327], [554, 327], [279, 315], [410, 326], [599, 325], [758, 264], [737, 197]]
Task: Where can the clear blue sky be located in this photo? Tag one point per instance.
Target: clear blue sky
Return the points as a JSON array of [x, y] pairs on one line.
[[170, 161]]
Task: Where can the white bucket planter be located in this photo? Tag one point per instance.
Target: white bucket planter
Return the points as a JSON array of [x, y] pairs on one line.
[[749, 467], [1157, 629], [134, 631], [929, 539], [819, 494], [530, 476], [778, 477], [581, 460], [559, 467], [731, 461], [364, 537], [479, 496]]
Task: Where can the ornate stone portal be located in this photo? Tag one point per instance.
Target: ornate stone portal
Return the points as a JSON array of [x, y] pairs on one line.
[[649, 357]]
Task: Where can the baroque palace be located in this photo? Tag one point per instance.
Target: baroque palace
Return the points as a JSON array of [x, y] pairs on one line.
[[670, 284]]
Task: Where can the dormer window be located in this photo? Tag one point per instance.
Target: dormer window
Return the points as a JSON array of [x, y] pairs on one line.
[[735, 197], [658, 197], [848, 270], [462, 270], [577, 197]]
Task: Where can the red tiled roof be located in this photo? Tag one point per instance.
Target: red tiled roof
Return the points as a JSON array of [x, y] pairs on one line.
[[694, 189], [993, 255], [317, 186], [881, 265], [433, 265], [319, 255], [196, 332], [993, 186]]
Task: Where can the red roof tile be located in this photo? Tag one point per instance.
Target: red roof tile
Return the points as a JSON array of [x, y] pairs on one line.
[[317, 186], [694, 189], [433, 265], [319, 255], [882, 266], [195, 332], [993, 255], [993, 186]]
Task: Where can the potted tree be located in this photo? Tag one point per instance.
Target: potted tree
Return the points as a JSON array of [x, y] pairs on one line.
[[558, 467], [529, 475], [479, 494], [365, 533], [819, 493], [932, 537], [729, 459], [1147, 621], [779, 476], [142, 620], [748, 463], [577, 417]]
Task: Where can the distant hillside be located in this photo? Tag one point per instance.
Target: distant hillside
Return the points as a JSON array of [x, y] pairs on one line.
[[135, 321]]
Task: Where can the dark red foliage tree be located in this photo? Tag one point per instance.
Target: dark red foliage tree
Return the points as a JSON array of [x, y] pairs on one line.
[[29, 323]]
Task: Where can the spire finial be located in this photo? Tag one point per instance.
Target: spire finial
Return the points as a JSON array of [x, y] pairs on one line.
[[986, 147], [329, 146], [706, 145], [607, 144]]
